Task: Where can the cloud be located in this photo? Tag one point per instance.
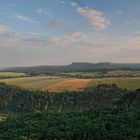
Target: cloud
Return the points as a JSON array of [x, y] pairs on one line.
[[95, 18], [25, 18], [90, 40], [74, 4], [58, 24], [63, 1], [4, 29], [35, 49], [119, 11], [7, 34], [73, 39], [44, 11], [33, 34]]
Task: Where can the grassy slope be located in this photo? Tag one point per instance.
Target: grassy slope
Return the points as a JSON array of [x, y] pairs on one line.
[[39, 82], [129, 83], [109, 73], [60, 84], [11, 74], [50, 83]]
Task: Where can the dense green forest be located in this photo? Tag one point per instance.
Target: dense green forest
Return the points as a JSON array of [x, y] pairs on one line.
[[14, 99], [74, 67], [104, 112], [98, 124]]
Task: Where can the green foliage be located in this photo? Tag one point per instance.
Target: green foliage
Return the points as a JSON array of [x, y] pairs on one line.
[[125, 83], [104, 112], [5, 75], [14, 99], [99, 124]]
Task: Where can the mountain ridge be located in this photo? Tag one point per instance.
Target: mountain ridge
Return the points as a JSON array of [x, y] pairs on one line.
[[74, 67]]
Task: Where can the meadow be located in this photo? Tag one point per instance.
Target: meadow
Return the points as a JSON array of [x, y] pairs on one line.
[[113, 73], [130, 83], [50, 83], [59, 83], [11, 74]]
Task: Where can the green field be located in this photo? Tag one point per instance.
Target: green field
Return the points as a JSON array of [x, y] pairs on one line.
[[38, 82], [113, 73], [51, 83], [11, 74], [54, 83], [128, 83]]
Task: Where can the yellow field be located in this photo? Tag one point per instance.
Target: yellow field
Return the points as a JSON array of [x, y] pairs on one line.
[[50, 83], [38, 82], [2, 117], [70, 85], [57, 84], [11, 74]]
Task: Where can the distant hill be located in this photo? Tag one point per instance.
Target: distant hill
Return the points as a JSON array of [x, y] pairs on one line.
[[75, 67]]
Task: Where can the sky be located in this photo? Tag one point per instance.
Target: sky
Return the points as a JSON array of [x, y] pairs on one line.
[[57, 32]]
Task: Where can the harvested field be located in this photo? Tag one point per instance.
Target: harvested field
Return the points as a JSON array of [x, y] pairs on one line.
[[70, 85], [58, 84]]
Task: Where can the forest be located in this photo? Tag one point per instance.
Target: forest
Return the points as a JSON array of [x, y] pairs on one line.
[[104, 112], [15, 99]]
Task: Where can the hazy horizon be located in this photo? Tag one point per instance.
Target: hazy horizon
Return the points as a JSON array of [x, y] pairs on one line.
[[14, 66], [59, 32]]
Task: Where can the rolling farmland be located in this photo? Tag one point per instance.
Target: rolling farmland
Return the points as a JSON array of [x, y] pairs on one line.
[[70, 85], [50, 83], [39, 82], [57, 84], [128, 83]]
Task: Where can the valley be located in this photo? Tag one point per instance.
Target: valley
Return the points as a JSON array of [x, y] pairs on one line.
[[61, 83]]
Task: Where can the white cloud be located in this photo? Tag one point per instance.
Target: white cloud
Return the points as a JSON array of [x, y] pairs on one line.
[[73, 46], [63, 1], [95, 18], [25, 18], [44, 11], [6, 33], [4, 29], [74, 4]]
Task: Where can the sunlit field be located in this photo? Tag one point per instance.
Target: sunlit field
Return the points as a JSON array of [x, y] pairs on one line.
[[11, 74], [57, 84]]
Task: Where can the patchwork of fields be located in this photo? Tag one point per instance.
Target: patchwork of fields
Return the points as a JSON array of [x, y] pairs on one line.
[[50, 83], [57, 84], [69, 84]]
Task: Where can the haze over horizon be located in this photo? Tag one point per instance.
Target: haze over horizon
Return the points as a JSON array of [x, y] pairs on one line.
[[59, 32]]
